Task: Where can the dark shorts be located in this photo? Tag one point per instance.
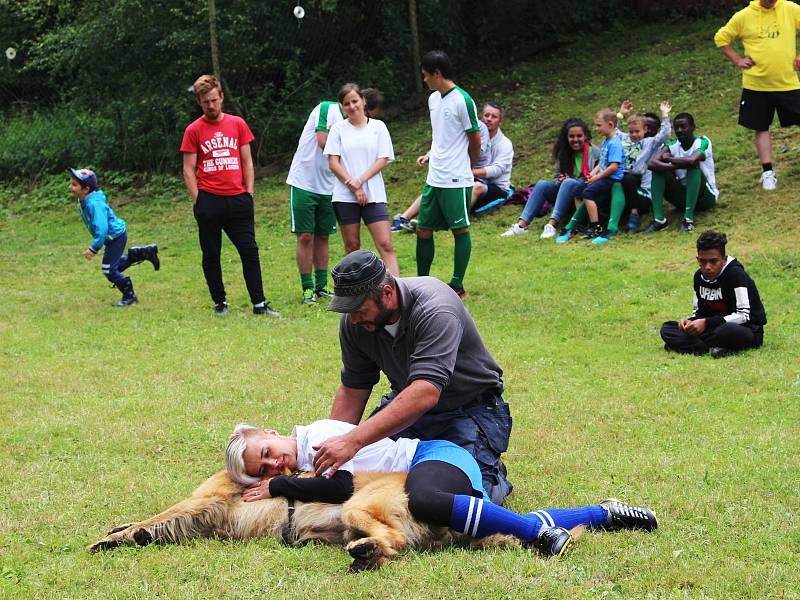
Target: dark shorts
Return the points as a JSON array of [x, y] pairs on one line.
[[350, 213], [493, 192], [757, 109]]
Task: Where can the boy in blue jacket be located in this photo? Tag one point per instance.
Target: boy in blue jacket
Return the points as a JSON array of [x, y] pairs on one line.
[[108, 231]]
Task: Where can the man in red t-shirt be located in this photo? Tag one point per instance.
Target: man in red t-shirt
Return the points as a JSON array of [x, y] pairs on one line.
[[218, 172]]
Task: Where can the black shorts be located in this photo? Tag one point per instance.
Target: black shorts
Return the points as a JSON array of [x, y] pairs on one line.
[[757, 109], [350, 213], [492, 193]]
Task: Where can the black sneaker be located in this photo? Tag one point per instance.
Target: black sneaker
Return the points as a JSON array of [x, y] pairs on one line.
[[552, 541], [656, 226], [266, 310], [592, 231], [221, 309], [687, 226], [323, 293], [717, 352], [624, 516]]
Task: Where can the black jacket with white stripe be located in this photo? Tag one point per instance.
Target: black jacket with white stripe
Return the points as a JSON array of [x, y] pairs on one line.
[[731, 298]]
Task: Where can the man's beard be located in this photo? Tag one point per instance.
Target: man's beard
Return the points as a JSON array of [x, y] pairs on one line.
[[381, 319]]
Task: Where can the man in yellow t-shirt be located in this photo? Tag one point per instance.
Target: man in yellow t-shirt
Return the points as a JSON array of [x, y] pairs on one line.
[[768, 30]]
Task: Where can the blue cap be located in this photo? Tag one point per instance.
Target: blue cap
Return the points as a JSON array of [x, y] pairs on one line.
[[86, 177]]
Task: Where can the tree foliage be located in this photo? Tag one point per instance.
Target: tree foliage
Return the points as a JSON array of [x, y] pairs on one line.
[[105, 82]]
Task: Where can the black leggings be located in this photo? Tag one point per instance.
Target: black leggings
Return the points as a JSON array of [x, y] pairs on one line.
[[430, 486]]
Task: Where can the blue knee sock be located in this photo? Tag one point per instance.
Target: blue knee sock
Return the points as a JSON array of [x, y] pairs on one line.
[[479, 518], [591, 516]]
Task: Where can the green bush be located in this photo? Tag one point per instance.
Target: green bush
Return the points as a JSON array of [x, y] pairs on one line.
[[51, 140]]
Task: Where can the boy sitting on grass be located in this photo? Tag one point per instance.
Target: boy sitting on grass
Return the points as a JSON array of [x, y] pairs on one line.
[[108, 231], [728, 315], [683, 173], [444, 484]]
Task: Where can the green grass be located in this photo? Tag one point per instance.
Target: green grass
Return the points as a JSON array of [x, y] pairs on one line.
[[109, 415]]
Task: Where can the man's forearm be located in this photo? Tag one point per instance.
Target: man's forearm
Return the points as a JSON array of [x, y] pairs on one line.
[[349, 404], [406, 408], [190, 179], [685, 162], [731, 54], [249, 177]]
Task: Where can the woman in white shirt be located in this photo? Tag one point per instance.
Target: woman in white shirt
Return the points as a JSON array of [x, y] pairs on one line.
[[358, 148]]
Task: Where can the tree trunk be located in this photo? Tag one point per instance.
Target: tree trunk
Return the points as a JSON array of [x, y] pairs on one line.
[[412, 21], [212, 27]]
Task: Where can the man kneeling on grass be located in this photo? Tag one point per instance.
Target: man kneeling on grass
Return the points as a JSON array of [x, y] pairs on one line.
[[728, 315], [444, 484]]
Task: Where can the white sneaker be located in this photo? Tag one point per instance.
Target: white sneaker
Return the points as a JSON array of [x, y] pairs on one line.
[[549, 232], [769, 181], [515, 229]]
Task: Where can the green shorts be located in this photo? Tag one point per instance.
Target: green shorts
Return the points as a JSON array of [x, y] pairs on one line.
[[444, 208], [311, 212]]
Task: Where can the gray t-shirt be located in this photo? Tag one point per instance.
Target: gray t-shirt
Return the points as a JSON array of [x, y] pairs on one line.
[[437, 341]]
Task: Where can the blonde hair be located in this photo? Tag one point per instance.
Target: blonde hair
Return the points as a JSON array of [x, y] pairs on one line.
[[234, 454], [637, 119], [608, 115], [204, 84]]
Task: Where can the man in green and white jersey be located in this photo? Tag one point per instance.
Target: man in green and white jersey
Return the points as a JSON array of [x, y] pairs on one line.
[[310, 189], [448, 187], [683, 173]]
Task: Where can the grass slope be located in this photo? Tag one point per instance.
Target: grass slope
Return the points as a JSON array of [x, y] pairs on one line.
[[110, 415]]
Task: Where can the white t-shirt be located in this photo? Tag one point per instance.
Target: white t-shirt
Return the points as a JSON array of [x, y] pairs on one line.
[[453, 116], [309, 170], [383, 455], [358, 148], [703, 145]]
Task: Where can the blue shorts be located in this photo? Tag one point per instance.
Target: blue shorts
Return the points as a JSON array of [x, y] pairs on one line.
[[451, 454]]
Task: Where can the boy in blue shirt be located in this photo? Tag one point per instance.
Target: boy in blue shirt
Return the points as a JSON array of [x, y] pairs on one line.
[[608, 171], [108, 231]]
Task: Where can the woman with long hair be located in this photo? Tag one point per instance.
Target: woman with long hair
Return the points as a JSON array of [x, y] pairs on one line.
[[574, 156]]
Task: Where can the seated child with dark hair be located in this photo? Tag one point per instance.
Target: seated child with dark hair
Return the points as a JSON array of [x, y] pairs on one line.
[[646, 134], [109, 232], [683, 173], [728, 315]]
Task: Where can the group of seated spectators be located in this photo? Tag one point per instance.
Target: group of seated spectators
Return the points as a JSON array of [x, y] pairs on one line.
[[628, 175]]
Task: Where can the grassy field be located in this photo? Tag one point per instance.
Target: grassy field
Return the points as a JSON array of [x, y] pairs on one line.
[[110, 415]]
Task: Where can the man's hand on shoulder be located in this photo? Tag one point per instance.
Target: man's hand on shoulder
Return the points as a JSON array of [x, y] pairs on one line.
[[333, 453]]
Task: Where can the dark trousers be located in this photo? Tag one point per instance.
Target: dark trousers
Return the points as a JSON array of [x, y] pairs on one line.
[[599, 188], [233, 215], [482, 427], [728, 335], [630, 185], [114, 263]]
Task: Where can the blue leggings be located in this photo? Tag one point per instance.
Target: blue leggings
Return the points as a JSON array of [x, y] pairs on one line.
[[114, 263]]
